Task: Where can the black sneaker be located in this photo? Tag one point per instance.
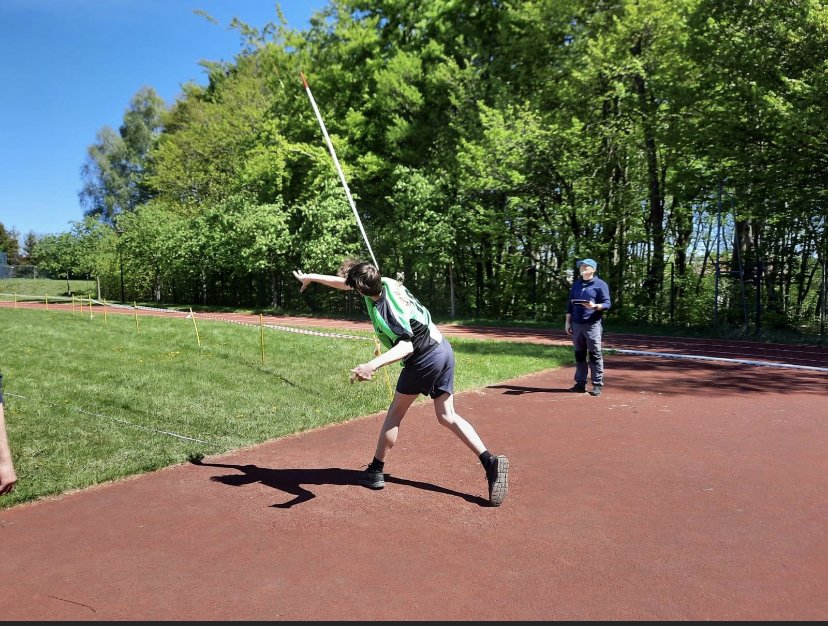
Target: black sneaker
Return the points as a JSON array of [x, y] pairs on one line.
[[497, 474], [596, 390], [578, 388], [373, 479]]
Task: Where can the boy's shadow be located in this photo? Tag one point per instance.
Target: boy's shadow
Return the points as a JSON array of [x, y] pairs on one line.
[[517, 390], [291, 481]]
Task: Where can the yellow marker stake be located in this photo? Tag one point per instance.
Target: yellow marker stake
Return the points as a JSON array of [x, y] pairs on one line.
[[15, 299], [47, 301], [377, 352], [261, 335], [135, 304], [104, 306], [90, 307], [73, 305], [195, 326]]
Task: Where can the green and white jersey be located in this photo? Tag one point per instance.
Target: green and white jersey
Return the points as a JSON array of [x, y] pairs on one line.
[[399, 316]]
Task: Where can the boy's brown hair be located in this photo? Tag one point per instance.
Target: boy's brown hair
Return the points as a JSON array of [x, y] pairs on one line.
[[363, 277]]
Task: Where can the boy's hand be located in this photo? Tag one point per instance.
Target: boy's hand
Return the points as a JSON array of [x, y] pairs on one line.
[[303, 278], [362, 373]]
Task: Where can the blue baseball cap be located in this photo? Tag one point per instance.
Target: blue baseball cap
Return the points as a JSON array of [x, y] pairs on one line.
[[589, 262]]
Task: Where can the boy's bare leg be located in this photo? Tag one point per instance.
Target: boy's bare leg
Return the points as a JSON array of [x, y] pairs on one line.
[[448, 417], [497, 467], [391, 426], [373, 477]]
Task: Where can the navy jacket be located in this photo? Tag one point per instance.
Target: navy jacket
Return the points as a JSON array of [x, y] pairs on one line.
[[597, 291]]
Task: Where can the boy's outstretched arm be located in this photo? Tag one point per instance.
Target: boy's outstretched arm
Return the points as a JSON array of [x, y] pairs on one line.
[[336, 282], [365, 371]]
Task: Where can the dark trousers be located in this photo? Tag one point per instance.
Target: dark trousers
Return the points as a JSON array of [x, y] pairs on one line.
[[586, 338]]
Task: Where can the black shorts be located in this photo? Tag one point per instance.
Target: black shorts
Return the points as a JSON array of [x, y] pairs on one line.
[[431, 374]]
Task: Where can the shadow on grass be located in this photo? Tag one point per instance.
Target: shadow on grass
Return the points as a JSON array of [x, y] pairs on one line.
[[291, 481]]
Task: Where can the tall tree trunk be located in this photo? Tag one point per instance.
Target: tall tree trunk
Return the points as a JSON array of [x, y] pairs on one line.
[[655, 221], [451, 291]]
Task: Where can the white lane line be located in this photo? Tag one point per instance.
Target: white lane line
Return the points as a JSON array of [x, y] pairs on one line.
[[694, 357]]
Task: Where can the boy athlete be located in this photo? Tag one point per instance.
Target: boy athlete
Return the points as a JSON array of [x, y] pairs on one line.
[[404, 327]]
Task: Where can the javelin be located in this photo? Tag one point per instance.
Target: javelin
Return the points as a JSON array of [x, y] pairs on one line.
[[338, 168]]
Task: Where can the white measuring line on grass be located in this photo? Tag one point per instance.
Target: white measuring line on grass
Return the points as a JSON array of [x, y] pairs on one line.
[[287, 329], [121, 421], [693, 357]]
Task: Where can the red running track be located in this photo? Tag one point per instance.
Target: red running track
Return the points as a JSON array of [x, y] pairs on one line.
[[690, 490]]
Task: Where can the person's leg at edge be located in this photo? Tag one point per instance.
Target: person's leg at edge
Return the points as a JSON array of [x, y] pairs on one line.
[[373, 476], [496, 467]]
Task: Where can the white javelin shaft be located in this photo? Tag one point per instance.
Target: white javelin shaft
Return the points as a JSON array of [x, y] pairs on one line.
[[338, 168]]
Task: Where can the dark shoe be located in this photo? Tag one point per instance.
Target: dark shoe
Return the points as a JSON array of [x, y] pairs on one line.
[[596, 390], [497, 474], [373, 479], [578, 388]]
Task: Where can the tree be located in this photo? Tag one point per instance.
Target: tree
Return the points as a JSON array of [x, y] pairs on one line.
[[29, 244], [10, 244], [114, 171], [60, 255], [95, 248], [763, 107]]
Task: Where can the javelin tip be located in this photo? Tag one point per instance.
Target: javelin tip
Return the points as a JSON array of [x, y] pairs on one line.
[[304, 80]]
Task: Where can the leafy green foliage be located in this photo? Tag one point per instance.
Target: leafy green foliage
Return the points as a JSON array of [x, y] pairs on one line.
[[488, 146]]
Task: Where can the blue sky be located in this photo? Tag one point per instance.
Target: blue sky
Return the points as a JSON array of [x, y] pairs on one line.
[[70, 67]]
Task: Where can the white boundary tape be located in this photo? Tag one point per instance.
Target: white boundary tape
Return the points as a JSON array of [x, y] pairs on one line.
[[693, 357], [291, 329], [288, 329]]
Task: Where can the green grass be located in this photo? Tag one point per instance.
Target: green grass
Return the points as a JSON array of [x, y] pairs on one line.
[[87, 397], [44, 287]]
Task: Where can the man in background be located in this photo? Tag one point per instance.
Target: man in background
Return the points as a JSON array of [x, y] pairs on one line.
[[589, 297]]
